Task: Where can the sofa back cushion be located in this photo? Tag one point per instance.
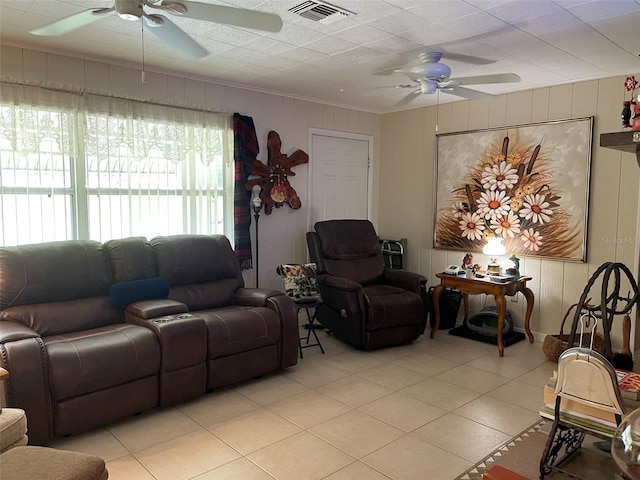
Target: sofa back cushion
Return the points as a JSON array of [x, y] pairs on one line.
[[349, 249], [202, 269], [56, 287], [130, 259], [57, 318]]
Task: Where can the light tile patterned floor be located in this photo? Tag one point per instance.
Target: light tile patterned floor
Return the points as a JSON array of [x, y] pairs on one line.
[[429, 410]]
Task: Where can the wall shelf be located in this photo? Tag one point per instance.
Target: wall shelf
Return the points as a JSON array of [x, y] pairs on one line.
[[625, 141]]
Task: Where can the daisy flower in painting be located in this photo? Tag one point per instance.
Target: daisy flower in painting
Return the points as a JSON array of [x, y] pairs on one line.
[[531, 239], [493, 204], [536, 209], [506, 226], [472, 226], [458, 209], [500, 176]]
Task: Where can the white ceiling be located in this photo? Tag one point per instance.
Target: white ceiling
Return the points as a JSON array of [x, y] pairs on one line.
[[545, 42]]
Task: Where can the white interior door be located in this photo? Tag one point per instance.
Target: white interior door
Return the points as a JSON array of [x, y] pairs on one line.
[[340, 176]]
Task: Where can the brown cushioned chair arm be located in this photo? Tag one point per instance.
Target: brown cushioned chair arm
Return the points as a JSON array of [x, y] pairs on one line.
[[342, 295], [160, 307], [255, 297], [414, 282], [28, 383], [338, 283], [286, 310], [12, 331]]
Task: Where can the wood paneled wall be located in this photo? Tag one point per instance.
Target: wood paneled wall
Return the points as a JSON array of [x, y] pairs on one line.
[[406, 201]]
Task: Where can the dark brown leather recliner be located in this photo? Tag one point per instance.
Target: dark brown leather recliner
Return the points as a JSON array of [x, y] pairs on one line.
[[247, 332], [364, 303], [74, 364], [94, 332]]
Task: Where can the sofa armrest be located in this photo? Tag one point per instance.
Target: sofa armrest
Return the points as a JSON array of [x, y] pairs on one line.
[[414, 282], [12, 331], [255, 297], [23, 354], [286, 310], [160, 307], [343, 296]]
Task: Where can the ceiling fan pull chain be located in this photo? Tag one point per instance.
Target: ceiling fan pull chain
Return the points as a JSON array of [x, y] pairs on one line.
[[142, 74], [437, 107]]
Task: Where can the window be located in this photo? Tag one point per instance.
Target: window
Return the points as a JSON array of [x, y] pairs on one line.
[[75, 166]]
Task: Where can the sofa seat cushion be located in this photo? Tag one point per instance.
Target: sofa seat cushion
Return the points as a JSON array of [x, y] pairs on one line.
[[392, 307], [93, 360], [235, 329]]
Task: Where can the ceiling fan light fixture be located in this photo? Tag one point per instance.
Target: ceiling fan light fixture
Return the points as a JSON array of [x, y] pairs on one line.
[[432, 71], [430, 86]]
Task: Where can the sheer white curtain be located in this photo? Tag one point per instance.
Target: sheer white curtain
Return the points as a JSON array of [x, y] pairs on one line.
[[84, 166]]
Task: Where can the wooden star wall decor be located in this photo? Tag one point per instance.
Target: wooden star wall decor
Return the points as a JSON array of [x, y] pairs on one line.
[[274, 177]]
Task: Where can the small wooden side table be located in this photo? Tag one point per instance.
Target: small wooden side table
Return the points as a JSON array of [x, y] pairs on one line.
[[475, 286]]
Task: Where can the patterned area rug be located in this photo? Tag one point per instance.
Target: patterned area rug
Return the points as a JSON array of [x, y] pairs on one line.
[[522, 455]]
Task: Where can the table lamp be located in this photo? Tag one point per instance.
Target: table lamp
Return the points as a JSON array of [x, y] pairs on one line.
[[494, 249]]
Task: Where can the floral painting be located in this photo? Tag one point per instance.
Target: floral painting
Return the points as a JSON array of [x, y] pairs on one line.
[[528, 185]]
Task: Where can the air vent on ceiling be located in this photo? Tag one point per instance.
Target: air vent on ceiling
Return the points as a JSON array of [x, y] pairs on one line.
[[322, 12]]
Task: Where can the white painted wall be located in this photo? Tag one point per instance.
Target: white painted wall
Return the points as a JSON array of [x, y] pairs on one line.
[[282, 233], [404, 158]]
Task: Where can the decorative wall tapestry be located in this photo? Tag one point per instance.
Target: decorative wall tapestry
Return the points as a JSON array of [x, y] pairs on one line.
[[274, 177], [527, 184]]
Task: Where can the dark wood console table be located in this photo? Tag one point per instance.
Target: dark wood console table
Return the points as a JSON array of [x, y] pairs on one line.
[[476, 286]]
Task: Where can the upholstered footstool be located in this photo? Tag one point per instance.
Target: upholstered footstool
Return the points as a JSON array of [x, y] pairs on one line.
[[13, 428], [42, 463]]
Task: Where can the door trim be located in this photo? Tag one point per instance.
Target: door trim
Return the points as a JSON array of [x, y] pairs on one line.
[[342, 135]]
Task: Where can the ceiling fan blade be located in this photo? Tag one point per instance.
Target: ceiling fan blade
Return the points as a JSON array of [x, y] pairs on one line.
[[175, 37], [408, 98], [466, 58], [414, 77], [410, 58], [72, 22], [483, 79], [238, 17], [467, 93]]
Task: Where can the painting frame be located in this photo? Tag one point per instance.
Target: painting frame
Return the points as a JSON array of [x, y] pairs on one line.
[[527, 184]]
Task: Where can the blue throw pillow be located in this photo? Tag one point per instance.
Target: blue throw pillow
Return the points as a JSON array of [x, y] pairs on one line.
[[122, 294]]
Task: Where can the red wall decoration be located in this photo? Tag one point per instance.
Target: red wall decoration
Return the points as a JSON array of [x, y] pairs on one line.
[[274, 177]]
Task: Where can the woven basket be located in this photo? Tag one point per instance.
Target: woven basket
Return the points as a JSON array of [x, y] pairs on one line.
[[554, 345]]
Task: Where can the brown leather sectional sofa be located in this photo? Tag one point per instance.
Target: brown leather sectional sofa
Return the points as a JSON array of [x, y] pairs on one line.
[[94, 332]]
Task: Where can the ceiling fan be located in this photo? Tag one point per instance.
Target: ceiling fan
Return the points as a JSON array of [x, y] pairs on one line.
[[430, 76], [162, 27]]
